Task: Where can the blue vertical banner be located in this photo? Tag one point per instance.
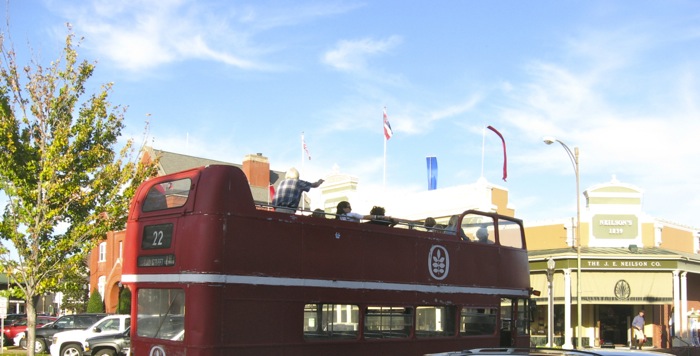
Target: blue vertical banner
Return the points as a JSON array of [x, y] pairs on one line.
[[432, 172]]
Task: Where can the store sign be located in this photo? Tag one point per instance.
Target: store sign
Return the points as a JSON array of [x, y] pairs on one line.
[[614, 226], [628, 264]]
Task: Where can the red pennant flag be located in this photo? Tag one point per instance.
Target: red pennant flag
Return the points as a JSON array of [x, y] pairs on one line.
[[505, 159]]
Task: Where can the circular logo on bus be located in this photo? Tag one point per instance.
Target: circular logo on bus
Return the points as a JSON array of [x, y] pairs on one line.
[[438, 262], [157, 351]]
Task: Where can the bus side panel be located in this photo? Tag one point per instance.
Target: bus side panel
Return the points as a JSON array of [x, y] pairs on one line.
[[514, 268], [270, 247], [275, 325], [284, 245], [200, 244]]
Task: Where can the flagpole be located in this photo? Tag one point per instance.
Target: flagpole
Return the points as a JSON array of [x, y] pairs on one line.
[[483, 143], [384, 180], [302, 152], [303, 202], [384, 137]]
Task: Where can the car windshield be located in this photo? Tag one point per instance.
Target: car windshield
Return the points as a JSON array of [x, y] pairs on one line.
[[111, 324], [21, 322]]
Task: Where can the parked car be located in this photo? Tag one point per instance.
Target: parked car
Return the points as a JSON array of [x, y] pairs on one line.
[[70, 343], [108, 345], [549, 352], [11, 318], [22, 342], [44, 336], [20, 325]]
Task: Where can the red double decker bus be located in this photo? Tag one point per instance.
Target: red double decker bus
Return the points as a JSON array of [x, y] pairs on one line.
[[213, 273]]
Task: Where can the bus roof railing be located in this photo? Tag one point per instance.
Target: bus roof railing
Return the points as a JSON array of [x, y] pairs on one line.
[[418, 225]]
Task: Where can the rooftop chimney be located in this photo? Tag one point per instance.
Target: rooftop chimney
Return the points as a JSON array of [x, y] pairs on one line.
[[257, 168]]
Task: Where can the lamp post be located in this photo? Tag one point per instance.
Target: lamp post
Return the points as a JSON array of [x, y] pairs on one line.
[[550, 303], [574, 160]]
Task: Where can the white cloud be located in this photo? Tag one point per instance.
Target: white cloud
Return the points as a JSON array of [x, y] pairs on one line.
[[352, 55], [141, 35], [625, 121]]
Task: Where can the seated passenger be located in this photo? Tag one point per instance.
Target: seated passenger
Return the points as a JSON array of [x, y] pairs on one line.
[[319, 213], [453, 228], [429, 223], [344, 212], [439, 227], [482, 235], [452, 224], [378, 217]]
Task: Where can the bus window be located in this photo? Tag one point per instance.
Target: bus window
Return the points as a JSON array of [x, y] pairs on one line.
[[434, 321], [509, 234], [388, 322], [161, 313], [479, 228], [478, 321], [167, 195], [330, 321]]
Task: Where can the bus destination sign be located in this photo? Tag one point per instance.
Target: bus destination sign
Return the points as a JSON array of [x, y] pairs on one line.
[[157, 236], [156, 261]]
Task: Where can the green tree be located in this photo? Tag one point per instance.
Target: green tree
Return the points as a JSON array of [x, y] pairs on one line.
[[95, 303], [64, 181], [124, 306], [75, 288]]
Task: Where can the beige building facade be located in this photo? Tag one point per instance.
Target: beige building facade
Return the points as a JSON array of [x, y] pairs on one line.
[[627, 261]]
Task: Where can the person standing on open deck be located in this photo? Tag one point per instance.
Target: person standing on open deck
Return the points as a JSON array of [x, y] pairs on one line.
[[638, 338], [289, 191]]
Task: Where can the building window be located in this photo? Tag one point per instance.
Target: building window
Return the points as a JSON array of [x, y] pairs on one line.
[[103, 252], [101, 286], [121, 249]]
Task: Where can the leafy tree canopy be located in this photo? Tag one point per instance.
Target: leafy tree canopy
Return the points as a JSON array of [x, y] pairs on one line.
[[65, 182]]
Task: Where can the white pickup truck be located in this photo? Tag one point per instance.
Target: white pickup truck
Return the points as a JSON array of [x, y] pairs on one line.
[[70, 343]]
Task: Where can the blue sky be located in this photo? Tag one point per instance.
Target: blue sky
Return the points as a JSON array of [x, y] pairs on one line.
[[222, 79]]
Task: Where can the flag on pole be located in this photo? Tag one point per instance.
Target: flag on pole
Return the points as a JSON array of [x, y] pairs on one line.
[[306, 149], [505, 159], [432, 172], [387, 127]]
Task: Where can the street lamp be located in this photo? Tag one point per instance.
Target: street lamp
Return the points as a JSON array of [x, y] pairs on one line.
[[550, 303], [574, 160]]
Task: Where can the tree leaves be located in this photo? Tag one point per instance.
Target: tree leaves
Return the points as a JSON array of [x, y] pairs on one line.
[[66, 183]]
